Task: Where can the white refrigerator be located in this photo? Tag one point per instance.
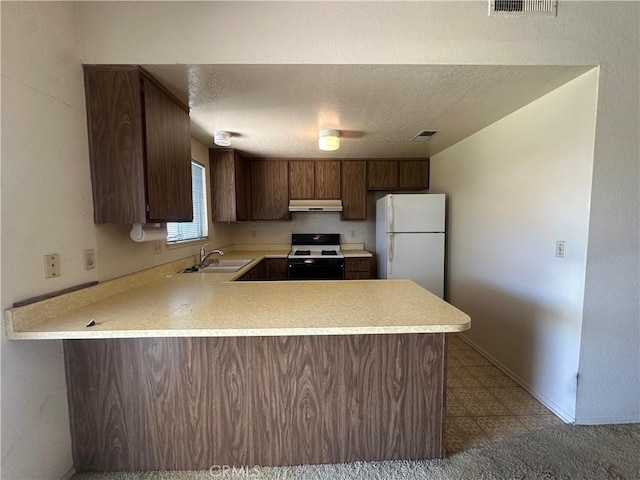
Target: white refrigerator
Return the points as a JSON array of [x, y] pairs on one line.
[[410, 238]]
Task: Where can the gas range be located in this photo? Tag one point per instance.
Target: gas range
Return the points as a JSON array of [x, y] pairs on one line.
[[315, 257], [314, 245]]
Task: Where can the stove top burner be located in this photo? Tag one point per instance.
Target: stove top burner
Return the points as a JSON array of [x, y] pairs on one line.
[[315, 246], [315, 253]]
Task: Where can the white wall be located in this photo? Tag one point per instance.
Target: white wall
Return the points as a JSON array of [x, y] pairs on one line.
[[361, 231], [514, 189], [46, 208], [609, 382]]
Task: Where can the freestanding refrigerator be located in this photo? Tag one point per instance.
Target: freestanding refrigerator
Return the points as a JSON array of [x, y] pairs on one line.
[[410, 239]]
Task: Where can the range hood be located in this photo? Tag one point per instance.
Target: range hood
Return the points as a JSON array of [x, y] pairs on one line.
[[315, 205]]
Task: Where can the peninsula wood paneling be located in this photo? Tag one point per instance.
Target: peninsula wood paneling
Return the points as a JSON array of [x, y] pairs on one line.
[[190, 403]]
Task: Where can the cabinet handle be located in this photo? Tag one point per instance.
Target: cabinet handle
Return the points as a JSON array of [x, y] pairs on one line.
[[390, 255]]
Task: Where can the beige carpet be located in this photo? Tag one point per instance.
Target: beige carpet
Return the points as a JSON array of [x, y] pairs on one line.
[[563, 452]]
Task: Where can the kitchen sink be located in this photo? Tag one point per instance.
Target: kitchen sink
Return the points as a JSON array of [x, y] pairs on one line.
[[226, 265]]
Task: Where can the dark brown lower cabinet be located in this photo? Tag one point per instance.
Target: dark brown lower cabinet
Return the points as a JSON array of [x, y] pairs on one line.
[[277, 268], [269, 269], [356, 268], [191, 403]]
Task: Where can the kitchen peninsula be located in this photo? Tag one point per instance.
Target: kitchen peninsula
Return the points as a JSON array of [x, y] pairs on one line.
[[186, 371]]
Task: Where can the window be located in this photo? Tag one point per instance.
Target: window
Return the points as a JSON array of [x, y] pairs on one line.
[[178, 232]]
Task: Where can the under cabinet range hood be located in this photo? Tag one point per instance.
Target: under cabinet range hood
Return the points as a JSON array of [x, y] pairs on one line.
[[315, 205]]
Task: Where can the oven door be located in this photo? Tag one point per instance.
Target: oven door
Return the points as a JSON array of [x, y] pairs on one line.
[[316, 268]]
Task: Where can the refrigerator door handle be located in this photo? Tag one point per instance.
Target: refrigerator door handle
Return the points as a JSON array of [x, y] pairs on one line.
[[390, 214], [390, 254]]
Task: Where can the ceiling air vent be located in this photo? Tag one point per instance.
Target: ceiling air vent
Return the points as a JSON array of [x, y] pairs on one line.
[[424, 136], [523, 7]]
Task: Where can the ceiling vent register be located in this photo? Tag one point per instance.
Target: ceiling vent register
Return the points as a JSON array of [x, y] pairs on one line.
[[424, 136], [523, 7]]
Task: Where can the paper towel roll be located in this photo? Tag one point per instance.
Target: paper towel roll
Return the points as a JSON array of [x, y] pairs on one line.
[[139, 233]]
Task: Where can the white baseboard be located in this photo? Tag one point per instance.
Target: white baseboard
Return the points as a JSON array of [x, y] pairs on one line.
[[608, 420], [557, 410]]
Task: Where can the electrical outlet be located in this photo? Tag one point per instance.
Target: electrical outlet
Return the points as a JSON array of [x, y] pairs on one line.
[[89, 259], [560, 249], [353, 234], [52, 265], [157, 247]]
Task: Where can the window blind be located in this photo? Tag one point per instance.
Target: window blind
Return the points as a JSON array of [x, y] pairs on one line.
[[198, 228]]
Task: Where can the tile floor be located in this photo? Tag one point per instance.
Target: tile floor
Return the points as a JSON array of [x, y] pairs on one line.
[[484, 404]]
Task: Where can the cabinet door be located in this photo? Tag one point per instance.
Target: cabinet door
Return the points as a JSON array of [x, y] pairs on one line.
[[359, 268], [382, 174], [327, 180], [277, 268], [354, 190], [168, 154], [116, 152], [301, 180], [413, 174], [243, 188], [223, 185], [230, 191], [269, 190]]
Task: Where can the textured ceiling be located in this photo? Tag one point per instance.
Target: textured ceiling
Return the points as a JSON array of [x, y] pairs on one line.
[[277, 110]]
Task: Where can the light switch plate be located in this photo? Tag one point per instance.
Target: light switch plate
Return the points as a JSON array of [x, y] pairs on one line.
[[89, 259]]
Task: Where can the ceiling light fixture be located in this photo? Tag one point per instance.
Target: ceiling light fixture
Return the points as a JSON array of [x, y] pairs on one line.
[[222, 139], [329, 140]]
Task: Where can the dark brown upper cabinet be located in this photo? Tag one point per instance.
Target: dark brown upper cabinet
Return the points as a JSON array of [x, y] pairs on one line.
[[382, 174], [354, 190], [413, 174], [314, 179], [405, 174], [302, 180], [139, 147], [327, 179], [230, 186], [269, 190]]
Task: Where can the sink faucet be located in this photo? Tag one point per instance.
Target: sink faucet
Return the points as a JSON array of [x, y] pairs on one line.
[[205, 256], [202, 252]]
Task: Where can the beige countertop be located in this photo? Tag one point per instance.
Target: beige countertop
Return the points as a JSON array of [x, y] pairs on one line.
[[166, 304], [356, 253]]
